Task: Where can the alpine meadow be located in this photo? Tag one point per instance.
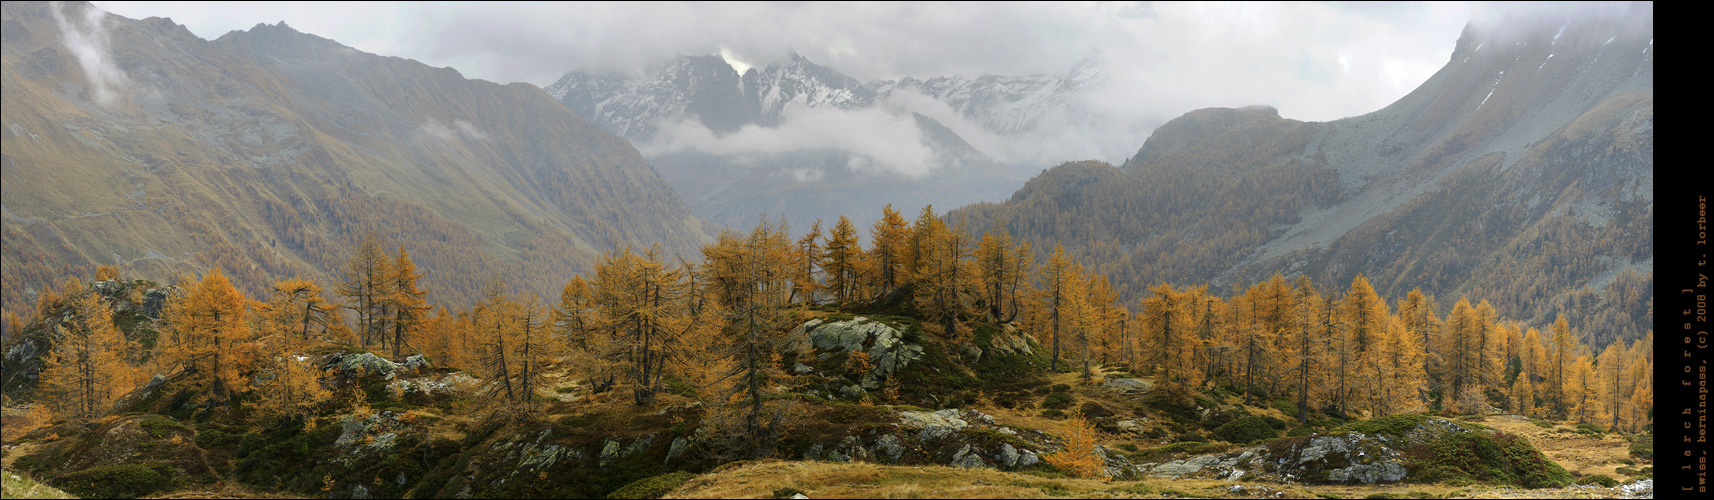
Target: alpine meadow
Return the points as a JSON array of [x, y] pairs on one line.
[[876, 250]]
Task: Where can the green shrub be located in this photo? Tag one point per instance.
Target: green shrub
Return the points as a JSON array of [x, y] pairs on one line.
[[652, 487], [1245, 430], [1191, 437], [1599, 479], [1541, 423], [216, 438], [1057, 401], [1128, 447], [1277, 424], [116, 481], [1394, 426], [1591, 430], [1095, 410], [1300, 431], [1061, 388], [1465, 457], [1643, 446], [1052, 414], [160, 425]]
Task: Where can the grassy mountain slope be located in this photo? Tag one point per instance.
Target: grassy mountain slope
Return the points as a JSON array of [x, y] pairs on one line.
[[271, 152]]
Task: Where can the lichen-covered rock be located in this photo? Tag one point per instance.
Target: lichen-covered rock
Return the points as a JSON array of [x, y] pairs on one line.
[[1432, 429], [885, 345], [890, 446], [1028, 458], [969, 458], [1008, 455], [417, 363], [678, 446], [368, 362], [1344, 458], [1115, 465], [1129, 385]]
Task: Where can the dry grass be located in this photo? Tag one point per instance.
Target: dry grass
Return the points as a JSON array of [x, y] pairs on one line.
[[1577, 453], [865, 480]]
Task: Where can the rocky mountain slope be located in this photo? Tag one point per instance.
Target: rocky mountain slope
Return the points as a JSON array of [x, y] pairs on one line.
[[271, 152], [1521, 173]]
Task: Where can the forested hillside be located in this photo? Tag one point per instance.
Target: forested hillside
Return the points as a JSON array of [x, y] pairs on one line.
[[769, 329], [1521, 173], [271, 153]]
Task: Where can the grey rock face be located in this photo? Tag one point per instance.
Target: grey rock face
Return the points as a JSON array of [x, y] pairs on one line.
[[800, 368], [887, 350], [890, 446]]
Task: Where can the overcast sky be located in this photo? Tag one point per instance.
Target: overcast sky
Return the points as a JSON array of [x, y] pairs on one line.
[[1313, 61]]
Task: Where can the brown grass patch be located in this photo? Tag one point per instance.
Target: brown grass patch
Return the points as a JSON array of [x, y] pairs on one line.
[[865, 480], [1577, 453]]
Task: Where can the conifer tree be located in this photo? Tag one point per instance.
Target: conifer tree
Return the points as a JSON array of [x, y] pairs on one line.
[[405, 302], [1562, 355], [750, 285], [81, 373], [1056, 280], [367, 283], [207, 329], [941, 273], [1309, 354], [843, 257], [1165, 322], [297, 305], [810, 256], [888, 242]]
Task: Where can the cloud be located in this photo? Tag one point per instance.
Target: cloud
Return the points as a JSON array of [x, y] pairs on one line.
[[885, 142], [1312, 61], [86, 39], [451, 133]]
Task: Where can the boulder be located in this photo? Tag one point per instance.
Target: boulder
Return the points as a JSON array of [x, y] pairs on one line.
[[969, 458], [1129, 386], [678, 446], [1008, 456]]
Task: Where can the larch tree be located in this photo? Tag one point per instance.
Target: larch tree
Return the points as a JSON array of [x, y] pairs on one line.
[[1365, 313], [1417, 313], [810, 257], [750, 283], [1165, 321], [1611, 370], [1561, 356], [843, 258], [81, 375], [1056, 279], [576, 315], [888, 239], [367, 283], [297, 308], [942, 275], [647, 315], [927, 225], [207, 330], [1310, 307], [1458, 353], [994, 267], [406, 304]]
